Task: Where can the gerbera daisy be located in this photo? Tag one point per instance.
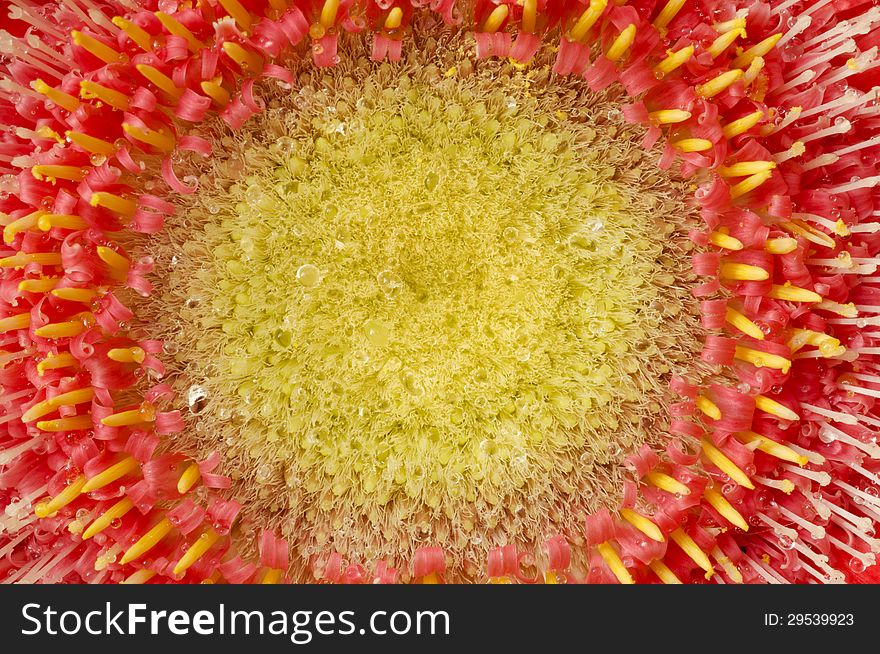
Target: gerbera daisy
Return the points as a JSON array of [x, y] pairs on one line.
[[370, 291]]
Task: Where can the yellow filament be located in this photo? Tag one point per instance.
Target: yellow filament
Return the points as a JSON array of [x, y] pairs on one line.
[[55, 361], [216, 92], [394, 19], [731, 570], [771, 447], [141, 37], [587, 19], [91, 144], [115, 261], [62, 99], [328, 13], [147, 542], [127, 355], [690, 547], [758, 50], [762, 359], [159, 140], [139, 577], [848, 310], [76, 325], [708, 407], [111, 474], [247, 60], [793, 293], [643, 524], [65, 497], [103, 52], [725, 508], [692, 145], [663, 572], [160, 80], [145, 413], [113, 202], [743, 324], [669, 116], [241, 15], [49, 220], [70, 398], [674, 59], [774, 408], [495, 19], [272, 576], [828, 345], [621, 43], [718, 84], [51, 173], [728, 467], [746, 168], [73, 423], [753, 71], [530, 16], [724, 41], [202, 544], [189, 478], [175, 28], [23, 259], [725, 241], [115, 99], [664, 482], [431, 578], [740, 125], [20, 225], [103, 521], [782, 245], [800, 228], [612, 560], [743, 272], [42, 285], [668, 12]]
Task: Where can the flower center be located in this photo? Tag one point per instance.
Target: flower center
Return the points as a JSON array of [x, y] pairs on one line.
[[419, 297]]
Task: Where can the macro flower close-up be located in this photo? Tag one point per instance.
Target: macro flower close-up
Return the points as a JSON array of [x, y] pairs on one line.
[[439, 291]]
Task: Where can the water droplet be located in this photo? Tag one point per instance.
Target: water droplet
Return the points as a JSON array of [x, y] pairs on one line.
[[196, 399], [378, 333], [389, 283], [308, 275], [411, 383]]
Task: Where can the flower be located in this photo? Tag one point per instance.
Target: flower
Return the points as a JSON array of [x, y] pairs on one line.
[[283, 182]]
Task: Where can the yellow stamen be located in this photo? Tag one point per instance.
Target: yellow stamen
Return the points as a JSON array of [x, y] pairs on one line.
[[753, 71], [67, 329], [431, 578], [175, 28], [793, 293], [272, 576], [19, 225], [690, 547], [728, 467], [394, 18], [848, 310], [612, 560], [621, 43], [724, 41], [145, 413], [189, 478], [743, 272], [215, 91], [718, 84], [725, 241], [663, 572], [774, 408], [643, 524], [247, 60], [103, 521], [117, 263], [725, 508], [762, 359], [746, 168], [800, 228], [49, 220], [47, 132], [56, 361], [139, 577], [142, 38], [668, 12], [243, 17], [62, 99], [111, 474], [127, 355], [664, 482], [782, 245], [160, 140], [740, 125], [692, 145], [73, 423], [727, 565], [65, 497], [160, 80], [42, 285], [771, 447], [52, 173], [22, 259], [113, 202], [103, 52], [147, 542], [70, 398], [828, 345], [495, 19], [758, 50], [668, 116], [674, 60], [530, 16], [21, 321], [708, 407], [587, 19], [89, 90], [743, 324], [196, 550]]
